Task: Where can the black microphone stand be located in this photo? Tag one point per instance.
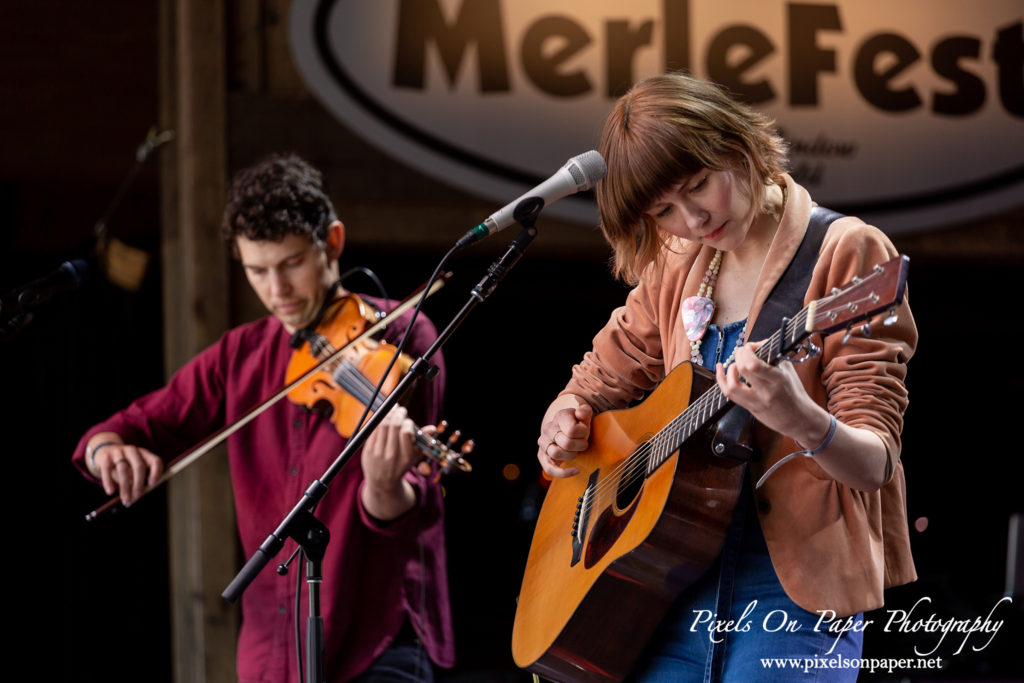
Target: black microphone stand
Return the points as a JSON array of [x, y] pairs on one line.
[[300, 524]]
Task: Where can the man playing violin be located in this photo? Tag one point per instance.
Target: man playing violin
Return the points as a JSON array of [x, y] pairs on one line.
[[385, 595]]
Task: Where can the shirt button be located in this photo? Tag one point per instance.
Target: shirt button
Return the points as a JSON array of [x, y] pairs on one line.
[[298, 423], [294, 471], [281, 609]]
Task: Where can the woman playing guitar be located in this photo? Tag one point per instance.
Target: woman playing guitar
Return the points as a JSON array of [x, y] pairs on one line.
[[704, 220]]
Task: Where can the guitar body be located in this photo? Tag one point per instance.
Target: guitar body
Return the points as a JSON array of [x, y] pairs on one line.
[[598, 581]]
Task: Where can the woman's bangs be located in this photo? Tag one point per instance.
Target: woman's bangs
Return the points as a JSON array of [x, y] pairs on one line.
[[649, 164]]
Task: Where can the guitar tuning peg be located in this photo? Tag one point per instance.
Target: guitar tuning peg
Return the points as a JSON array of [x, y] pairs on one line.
[[865, 329], [442, 428], [891, 318], [813, 350], [849, 331]]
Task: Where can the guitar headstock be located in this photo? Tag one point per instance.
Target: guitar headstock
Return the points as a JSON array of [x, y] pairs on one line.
[[880, 290], [443, 454]]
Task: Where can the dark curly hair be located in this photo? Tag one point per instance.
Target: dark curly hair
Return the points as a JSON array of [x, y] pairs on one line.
[[279, 196]]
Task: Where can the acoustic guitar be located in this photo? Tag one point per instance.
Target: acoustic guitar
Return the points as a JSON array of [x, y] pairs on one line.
[[649, 510]]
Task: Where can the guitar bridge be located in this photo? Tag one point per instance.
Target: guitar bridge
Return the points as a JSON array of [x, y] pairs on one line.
[[581, 520]]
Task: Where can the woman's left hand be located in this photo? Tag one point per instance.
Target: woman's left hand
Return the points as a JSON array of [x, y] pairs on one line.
[[776, 397], [773, 394]]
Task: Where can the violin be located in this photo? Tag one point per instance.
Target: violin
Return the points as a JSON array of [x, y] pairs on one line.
[[342, 388], [443, 455]]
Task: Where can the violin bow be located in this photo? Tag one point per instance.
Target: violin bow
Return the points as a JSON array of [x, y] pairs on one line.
[[185, 459]]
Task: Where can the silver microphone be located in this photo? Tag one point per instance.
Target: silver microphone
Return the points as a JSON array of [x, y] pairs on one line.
[[577, 175]]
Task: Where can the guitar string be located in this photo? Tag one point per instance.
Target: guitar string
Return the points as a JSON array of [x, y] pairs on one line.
[[671, 429], [705, 401], [694, 422], [690, 423]]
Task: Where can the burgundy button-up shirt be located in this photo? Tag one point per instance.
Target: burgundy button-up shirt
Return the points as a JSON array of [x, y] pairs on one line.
[[374, 575]]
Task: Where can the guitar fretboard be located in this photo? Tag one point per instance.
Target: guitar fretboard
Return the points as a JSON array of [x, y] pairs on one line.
[[699, 413]]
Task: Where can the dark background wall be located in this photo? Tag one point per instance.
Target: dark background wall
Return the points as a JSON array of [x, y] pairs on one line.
[[90, 602]]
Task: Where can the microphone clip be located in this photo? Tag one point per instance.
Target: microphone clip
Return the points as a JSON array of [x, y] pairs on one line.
[[526, 213]]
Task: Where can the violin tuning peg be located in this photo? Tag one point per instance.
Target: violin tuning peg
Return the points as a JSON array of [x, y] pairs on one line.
[[456, 435], [442, 428], [468, 447]]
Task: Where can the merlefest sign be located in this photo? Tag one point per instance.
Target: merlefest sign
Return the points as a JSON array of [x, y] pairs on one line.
[[908, 114]]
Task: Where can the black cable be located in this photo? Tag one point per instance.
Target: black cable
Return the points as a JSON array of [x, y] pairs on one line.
[[368, 273], [405, 335]]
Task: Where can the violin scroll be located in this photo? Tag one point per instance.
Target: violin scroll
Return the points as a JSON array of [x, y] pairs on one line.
[[443, 455]]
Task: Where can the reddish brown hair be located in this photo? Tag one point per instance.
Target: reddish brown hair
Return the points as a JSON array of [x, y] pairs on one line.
[[667, 128]]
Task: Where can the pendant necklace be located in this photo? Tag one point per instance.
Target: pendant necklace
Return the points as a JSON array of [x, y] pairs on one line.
[[697, 312]]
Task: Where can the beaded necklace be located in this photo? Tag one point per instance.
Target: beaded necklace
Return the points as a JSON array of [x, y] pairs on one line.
[[698, 310]]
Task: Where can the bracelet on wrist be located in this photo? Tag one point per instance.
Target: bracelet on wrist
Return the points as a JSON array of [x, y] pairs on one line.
[[833, 424]]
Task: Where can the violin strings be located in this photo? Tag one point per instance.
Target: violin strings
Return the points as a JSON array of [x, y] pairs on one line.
[[357, 384]]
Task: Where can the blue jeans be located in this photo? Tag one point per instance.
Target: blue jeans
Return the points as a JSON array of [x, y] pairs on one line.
[[743, 587], [405, 661]]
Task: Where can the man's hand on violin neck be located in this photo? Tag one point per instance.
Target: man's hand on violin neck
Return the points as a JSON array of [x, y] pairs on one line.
[[387, 455], [122, 468]]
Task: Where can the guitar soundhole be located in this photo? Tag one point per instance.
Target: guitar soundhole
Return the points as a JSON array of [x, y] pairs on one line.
[[631, 482]]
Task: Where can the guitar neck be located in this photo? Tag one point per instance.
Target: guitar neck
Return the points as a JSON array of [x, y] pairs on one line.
[[700, 413], [863, 297]]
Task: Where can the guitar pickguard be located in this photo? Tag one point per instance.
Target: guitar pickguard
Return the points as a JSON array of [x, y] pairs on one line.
[[607, 529], [610, 524]]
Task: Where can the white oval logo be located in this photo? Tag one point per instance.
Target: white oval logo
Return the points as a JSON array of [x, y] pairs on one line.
[[909, 114]]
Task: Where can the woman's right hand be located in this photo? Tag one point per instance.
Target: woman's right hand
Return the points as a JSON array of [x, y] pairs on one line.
[[121, 467], [564, 433]]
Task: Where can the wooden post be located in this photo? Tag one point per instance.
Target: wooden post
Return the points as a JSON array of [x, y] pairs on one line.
[[196, 312]]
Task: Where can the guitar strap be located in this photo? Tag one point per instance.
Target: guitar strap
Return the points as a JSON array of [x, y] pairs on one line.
[[732, 434]]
